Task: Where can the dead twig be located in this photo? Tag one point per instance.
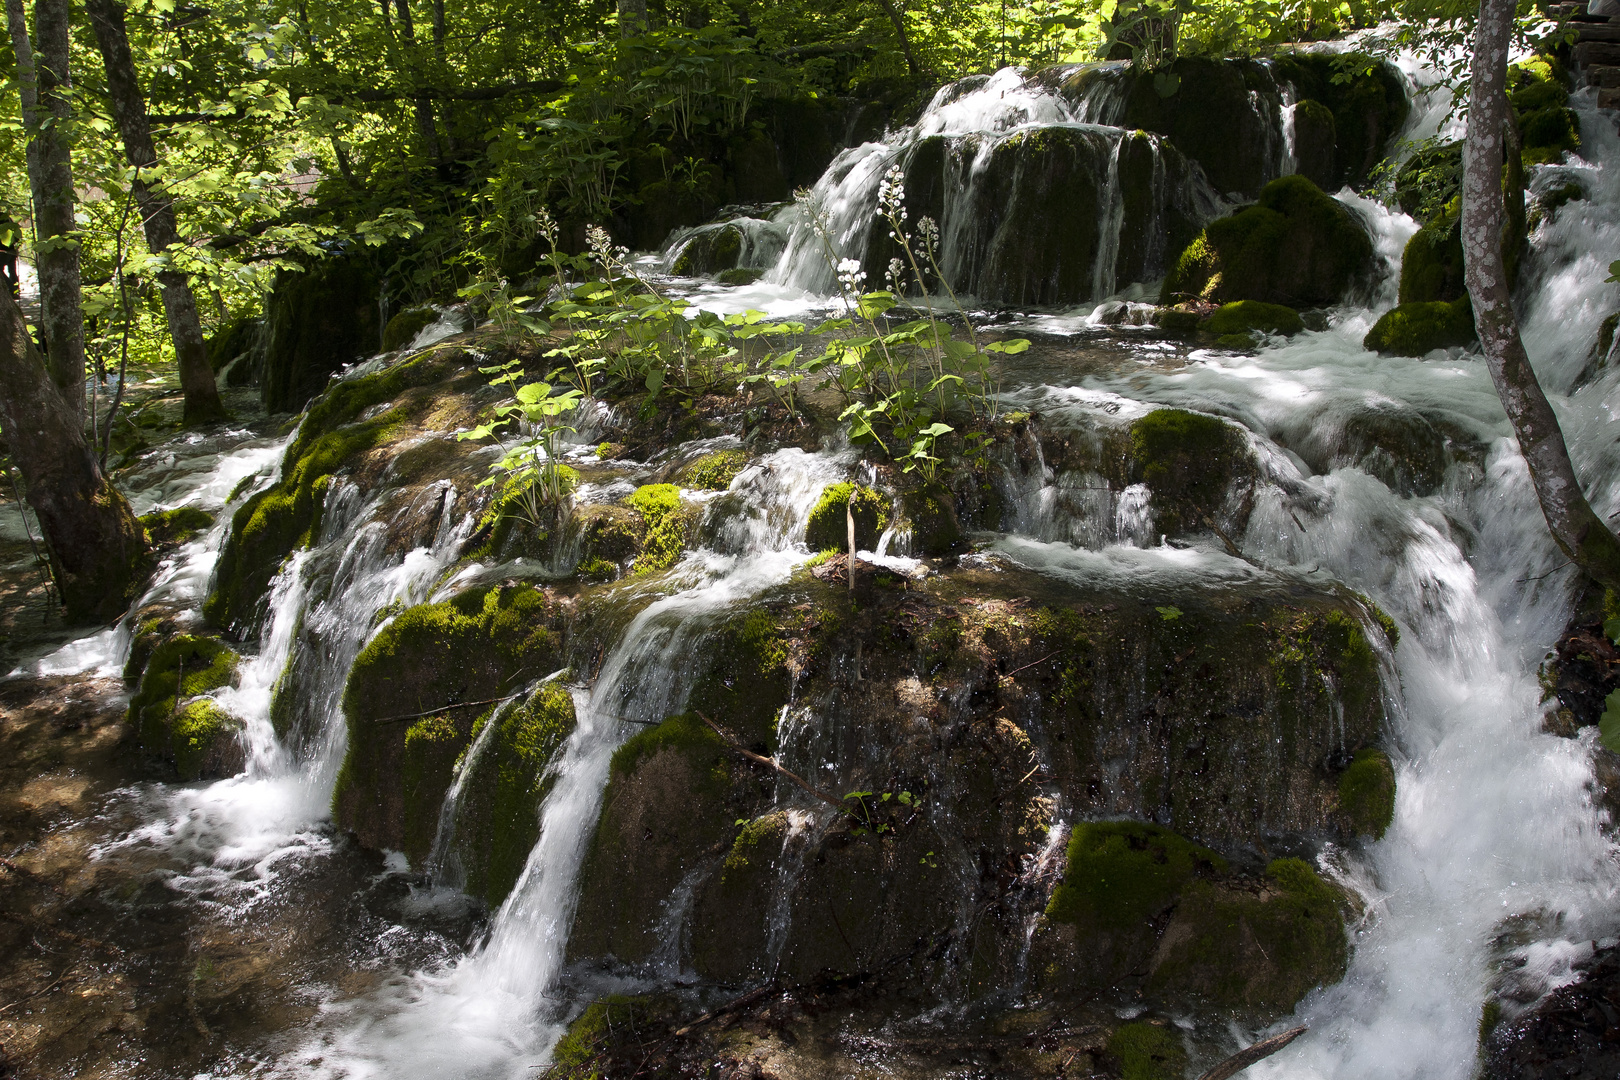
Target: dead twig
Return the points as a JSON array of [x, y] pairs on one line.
[[750, 998], [1251, 1054], [763, 760], [1026, 667]]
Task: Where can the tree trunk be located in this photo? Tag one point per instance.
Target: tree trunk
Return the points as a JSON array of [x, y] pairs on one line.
[[1578, 531], [98, 549], [425, 120], [56, 248], [899, 23], [632, 18], [157, 213]]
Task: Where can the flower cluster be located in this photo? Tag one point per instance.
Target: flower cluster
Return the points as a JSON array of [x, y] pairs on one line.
[[896, 275], [892, 196], [850, 275], [928, 229], [602, 249]]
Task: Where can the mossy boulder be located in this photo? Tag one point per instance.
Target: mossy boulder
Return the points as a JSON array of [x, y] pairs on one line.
[[1316, 138], [716, 471], [709, 251], [1366, 97], [1211, 117], [740, 275], [315, 322], [1367, 793], [1538, 91], [232, 340], [1418, 328], [1252, 316], [828, 528], [1297, 246], [403, 327], [1432, 264], [171, 528], [1121, 875], [746, 677], [668, 523], [1189, 462], [498, 819], [935, 528], [449, 660], [172, 717]]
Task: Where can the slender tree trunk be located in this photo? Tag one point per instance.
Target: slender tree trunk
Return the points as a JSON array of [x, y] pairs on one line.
[[45, 79], [157, 212], [98, 549], [1578, 531], [632, 18], [899, 23], [423, 103]]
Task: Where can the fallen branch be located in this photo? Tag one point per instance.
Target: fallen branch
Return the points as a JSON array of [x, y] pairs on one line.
[[753, 996], [1027, 666], [1251, 1054], [763, 760]]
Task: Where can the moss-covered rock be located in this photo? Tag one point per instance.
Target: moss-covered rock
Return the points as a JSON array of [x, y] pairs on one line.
[[1148, 1051], [1367, 793], [1367, 98], [1296, 246], [172, 718], [1189, 462], [287, 515], [1211, 117], [1316, 138], [828, 528], [1539, 94], [449, 660], [931, 513], [668, 525], [403, 327], [314, 323], [740, 275], [233, 340], [170, 528], [1251, 316], [1416, 329], [710, 251], [1236, 945], [1432, 264], [498, 820], [1121, 875], [716, 471]]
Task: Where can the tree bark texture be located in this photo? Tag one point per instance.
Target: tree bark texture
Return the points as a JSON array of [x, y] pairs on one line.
[[98, 549], [1578, 531], [157, 212], [632, 18], [56, 248]]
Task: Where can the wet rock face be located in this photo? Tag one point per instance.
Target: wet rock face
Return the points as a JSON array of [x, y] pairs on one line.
[[973, 713], [1296, 246], [171, 712], [315, 322], [1572, 1035]]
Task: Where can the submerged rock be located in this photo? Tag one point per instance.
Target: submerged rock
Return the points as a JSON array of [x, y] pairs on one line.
[[1296, 246]]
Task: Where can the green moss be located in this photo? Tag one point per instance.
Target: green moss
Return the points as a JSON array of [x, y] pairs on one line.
[[710, 251], [506, 787], [1174, 320], [668, 524], [827, 527], [432, 746], [176, 526], [1245, 316], [589, 1035], [1432, 264], [1429, 185], [182, 667], [1236, 948], [1120, 874], [598, 569], [1490, 1017], [746, 859], [1188, 461], [685, 733], [1367, 793], [403, 327], [1419, 328], [739, 275], [714, 472], [1148, 1052], [1549, 133], [1297, 246]]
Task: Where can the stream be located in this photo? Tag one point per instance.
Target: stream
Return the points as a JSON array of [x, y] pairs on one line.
[[1496, 876]]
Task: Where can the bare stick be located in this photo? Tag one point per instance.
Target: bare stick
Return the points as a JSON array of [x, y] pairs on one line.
[[849, 522], [751, 756], [1251, 1054]]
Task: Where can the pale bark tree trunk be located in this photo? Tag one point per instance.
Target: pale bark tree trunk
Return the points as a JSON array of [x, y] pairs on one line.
[[1578, 531], [157, 213], [98, 549], [44, 82], [632, 18]]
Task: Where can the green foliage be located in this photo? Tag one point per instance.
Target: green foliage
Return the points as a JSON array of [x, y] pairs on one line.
[[1609, 723], [828, 527], [1122, 873], [766, 831], [1148, 1052], [1367, 793], [1417, 328]]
